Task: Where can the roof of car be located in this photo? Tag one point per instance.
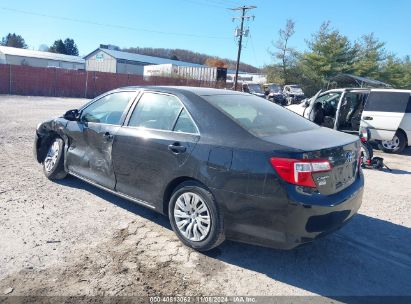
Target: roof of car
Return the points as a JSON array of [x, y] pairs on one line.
[[391, 90], [195, 90], [345, 89]]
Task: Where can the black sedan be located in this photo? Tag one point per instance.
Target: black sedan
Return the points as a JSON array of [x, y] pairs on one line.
[[221, 164]]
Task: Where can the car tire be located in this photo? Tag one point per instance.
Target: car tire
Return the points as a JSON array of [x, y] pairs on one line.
[[396, 145], [191, 204], [367, 152], [53, 163]]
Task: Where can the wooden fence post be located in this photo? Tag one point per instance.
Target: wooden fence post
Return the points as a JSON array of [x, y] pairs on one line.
[[85, 91], [55, 82], [9, 79]]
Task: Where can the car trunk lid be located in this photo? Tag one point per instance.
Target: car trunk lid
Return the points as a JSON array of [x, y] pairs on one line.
[[339, 149], [344, 162]]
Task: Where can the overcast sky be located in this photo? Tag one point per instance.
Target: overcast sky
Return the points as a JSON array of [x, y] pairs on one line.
[[202, 25]]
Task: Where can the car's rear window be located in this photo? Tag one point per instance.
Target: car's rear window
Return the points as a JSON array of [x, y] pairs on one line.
[[259, 116]]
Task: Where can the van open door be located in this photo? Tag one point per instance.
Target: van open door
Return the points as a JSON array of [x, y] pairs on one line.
[[383, 113], [309, 104]]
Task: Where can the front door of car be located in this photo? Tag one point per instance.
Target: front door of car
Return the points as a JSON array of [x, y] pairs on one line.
[[91, 138], [383, 113], [309, 104], [156, 143]]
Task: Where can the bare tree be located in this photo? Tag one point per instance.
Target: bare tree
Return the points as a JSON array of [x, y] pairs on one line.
[[284, 54]]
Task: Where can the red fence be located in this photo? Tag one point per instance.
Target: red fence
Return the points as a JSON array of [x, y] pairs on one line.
[[26, 80]]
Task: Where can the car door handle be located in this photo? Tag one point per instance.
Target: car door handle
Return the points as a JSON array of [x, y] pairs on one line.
[[108, 136], [177, 148], [368, 118]]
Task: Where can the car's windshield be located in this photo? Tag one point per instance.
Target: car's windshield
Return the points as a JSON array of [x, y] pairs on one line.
[[331, 97], [274, 88], [295, 88], [259, 116], [255, 88]]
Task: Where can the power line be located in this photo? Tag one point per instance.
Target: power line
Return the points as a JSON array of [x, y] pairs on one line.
[[230, 2], [254, 53], [223, 3], [111, 25], [240, 33], [214, 5]]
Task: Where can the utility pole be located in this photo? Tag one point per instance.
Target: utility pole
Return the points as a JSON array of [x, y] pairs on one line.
[[240, 33]]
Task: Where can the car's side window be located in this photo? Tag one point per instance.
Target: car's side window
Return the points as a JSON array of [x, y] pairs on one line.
[[185, 124], [156, 111], [387, 102], [108, 109], [408, 109]]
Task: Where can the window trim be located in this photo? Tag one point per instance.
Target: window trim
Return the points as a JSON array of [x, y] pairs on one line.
[[125, 112], [137, 101]]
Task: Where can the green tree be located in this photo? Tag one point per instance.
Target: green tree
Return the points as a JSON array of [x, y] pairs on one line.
[[58, 47], [397, 72], [370, 55], [68, 47], [71, 47], [13, 40], [274, 74], [284, 54], [329, 53], [407, 72]]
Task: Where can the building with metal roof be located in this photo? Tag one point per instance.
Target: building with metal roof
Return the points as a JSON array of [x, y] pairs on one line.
[[114, 61], [17, 56]]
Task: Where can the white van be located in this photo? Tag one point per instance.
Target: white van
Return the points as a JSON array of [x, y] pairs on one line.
[[386, 113]]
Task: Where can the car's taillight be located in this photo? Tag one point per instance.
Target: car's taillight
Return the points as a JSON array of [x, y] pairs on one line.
[[360, 156], [299, 171]]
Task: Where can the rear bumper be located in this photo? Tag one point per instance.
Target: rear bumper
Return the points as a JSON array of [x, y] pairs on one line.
[[301, 219], [308, 221]]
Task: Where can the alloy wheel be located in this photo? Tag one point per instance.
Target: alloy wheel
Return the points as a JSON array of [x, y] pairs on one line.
[[51, 157]]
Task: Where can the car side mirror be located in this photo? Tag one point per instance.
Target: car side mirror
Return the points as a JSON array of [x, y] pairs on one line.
[[72, 115]]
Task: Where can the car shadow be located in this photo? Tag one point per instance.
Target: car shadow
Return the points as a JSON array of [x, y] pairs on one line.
[[391, 171], [135, 208], [368, 256], [406, 151], [397, 171]]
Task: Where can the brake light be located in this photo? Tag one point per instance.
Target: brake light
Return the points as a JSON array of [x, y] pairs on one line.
[[299, 171], [360, 156]]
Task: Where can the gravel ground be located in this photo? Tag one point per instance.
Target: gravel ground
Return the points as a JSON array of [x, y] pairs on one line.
[[69, 238]]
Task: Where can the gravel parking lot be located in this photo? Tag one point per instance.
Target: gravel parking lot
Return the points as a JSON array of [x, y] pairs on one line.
[[69, 238]]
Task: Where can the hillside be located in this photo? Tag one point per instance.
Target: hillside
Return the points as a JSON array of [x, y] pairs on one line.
[[189, 56]]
